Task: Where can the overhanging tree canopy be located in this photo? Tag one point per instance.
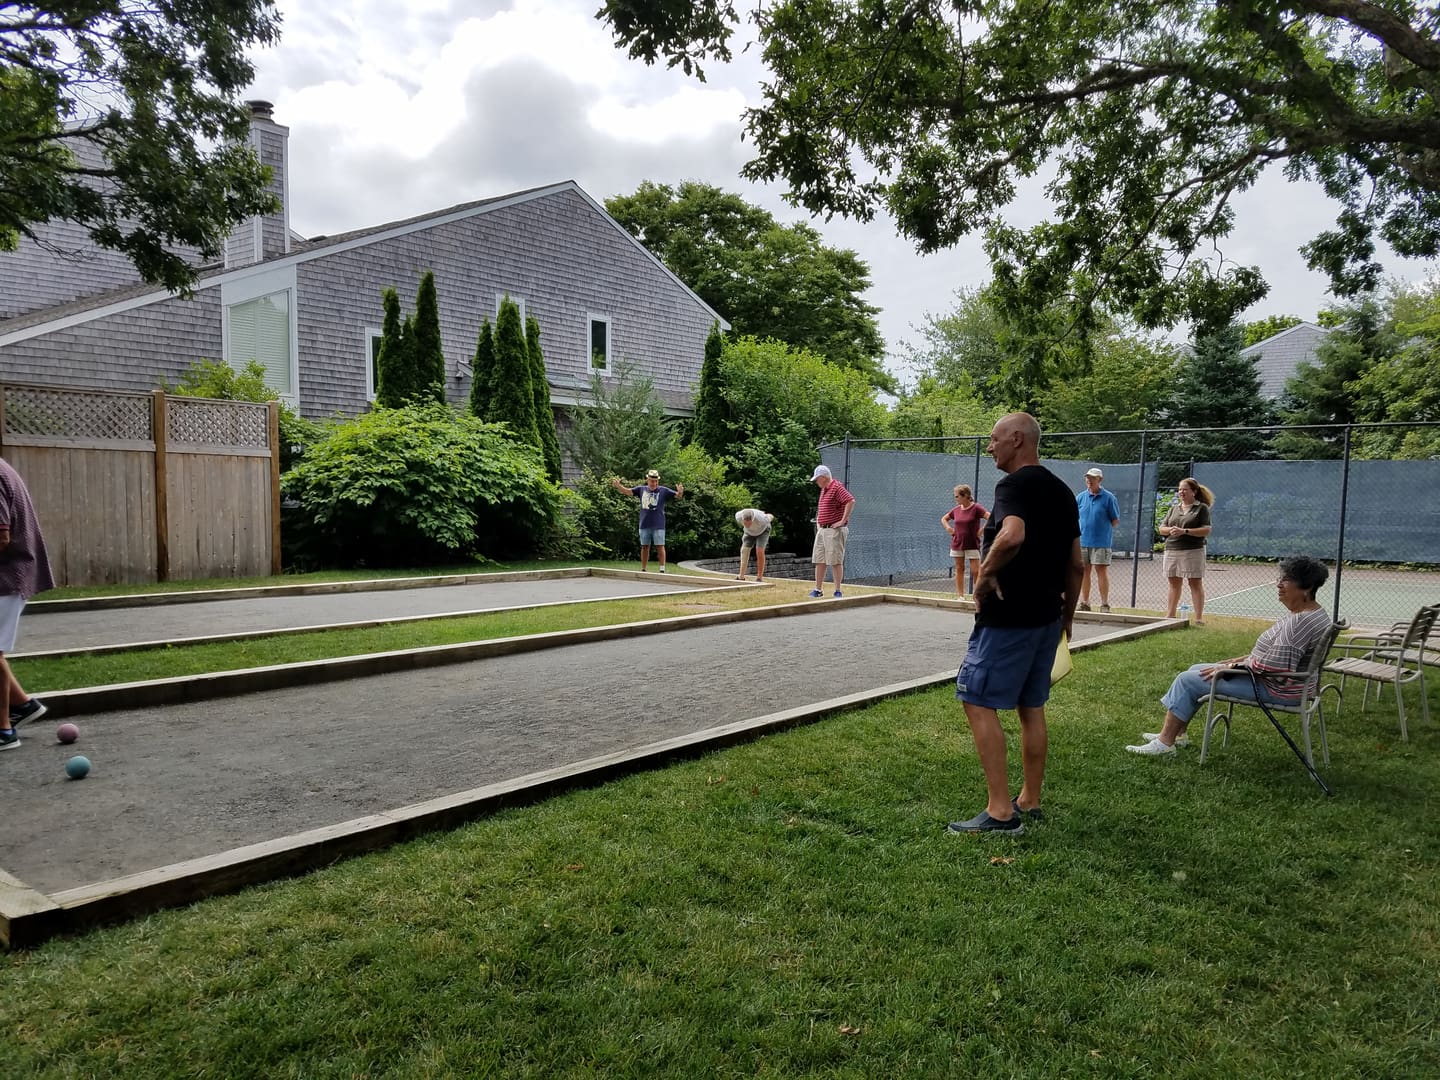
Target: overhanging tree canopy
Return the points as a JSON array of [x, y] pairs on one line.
[[153, 89], [1149, 116]]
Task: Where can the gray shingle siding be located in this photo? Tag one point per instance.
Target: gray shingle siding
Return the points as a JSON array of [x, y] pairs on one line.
[[565, 260], [265, 237], [130, 350], [240, 245], [64, 267], [555, 250], [1278, 356], [271, 146], [64, 264]]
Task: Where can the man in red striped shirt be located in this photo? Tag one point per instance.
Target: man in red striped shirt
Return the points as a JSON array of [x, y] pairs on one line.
[[832, 527]]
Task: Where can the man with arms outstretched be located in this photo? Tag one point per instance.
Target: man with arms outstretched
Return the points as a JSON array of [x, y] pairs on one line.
[[652, 498]]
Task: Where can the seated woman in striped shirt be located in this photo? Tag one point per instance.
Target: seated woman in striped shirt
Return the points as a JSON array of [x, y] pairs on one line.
[[1283, 647]]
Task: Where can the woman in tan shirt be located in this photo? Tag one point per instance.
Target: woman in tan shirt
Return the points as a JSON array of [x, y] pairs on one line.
[[1185, 528]]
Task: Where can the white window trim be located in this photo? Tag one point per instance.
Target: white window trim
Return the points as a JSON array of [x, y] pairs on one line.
[[371, 333], [264, 283], [590, 368], [519, 302]]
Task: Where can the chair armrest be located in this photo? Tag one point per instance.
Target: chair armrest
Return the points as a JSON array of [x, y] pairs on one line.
[[1384, 638], [1367, 644]]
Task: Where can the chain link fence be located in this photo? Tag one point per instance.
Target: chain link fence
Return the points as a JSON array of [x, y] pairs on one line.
[[1372, 517]]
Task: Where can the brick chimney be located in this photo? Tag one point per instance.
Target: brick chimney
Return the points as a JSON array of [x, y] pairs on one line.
[[268, 235]]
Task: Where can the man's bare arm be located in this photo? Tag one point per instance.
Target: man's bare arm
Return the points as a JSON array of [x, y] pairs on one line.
[[1003, 548]]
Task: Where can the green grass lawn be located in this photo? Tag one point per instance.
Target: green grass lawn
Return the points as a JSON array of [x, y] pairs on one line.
[[793, 908]]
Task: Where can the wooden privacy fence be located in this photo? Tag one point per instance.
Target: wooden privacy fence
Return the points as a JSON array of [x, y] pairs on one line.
[[147, 487]]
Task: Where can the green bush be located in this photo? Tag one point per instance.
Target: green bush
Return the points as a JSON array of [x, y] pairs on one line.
[[700, 525], [415, 485], [607, 518], [217, 379], [777, 466], [565, 538]]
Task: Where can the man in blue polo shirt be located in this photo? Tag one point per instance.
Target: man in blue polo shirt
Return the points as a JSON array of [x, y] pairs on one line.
[[1099, 514]]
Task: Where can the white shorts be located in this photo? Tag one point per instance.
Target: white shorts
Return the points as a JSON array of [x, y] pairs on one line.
[[1187, 563], [11, 605], [968, 553], [829, 547]]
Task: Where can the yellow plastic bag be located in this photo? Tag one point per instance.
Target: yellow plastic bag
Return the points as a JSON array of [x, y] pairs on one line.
[[1063, 664]]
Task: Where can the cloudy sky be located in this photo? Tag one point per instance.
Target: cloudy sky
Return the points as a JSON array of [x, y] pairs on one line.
[[397, 112]]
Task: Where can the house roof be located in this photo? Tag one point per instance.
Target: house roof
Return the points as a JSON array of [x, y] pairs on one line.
[[35, 323], [1279, 355], [317, 243], [97, 305]]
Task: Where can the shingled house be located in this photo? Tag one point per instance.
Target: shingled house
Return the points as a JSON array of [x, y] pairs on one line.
[[1279, 356], [310, 309]]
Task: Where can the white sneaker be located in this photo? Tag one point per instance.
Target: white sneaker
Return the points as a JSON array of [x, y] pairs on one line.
[[1152, 736], [1153, 748]]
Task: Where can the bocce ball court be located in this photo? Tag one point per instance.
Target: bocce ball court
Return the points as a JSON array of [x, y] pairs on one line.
[[117, 622], [192, 799]]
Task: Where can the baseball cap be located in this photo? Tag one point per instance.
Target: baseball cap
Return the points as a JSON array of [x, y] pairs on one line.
[[1095, 473], [653, 474], [820, 470]]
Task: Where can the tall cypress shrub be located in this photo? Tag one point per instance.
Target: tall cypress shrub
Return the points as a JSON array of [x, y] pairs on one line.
[[712, 410], [544, 414], [482, 374], [1219, 387], [514, 398], [429, 354], [394, 362]]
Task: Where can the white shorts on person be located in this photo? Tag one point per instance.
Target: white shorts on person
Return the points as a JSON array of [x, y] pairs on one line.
[[11, 605], [829, 545], [1185, 563]]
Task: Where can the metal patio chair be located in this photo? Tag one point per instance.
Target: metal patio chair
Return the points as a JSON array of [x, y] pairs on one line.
[[1310, 706], [1427, 655], [1394, 657]]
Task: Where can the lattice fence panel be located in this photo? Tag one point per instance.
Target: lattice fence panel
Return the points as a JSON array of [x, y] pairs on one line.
[[79, 414], [202, 422]]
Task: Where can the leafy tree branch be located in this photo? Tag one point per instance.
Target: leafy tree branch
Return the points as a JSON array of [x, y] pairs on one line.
[[1145, 120]]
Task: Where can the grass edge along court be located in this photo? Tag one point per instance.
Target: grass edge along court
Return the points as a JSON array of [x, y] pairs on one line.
[[792, 907]]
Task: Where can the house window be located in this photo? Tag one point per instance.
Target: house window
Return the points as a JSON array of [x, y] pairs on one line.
[[599, 340], [373, 338], [259, 330], [519, 302], [258, 321]]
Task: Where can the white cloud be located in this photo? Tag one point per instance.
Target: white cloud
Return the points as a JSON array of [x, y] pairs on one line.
[[395, 111], [689, 112]]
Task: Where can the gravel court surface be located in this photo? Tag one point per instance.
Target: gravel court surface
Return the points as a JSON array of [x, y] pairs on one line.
[[190, 780], [42, 631]]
